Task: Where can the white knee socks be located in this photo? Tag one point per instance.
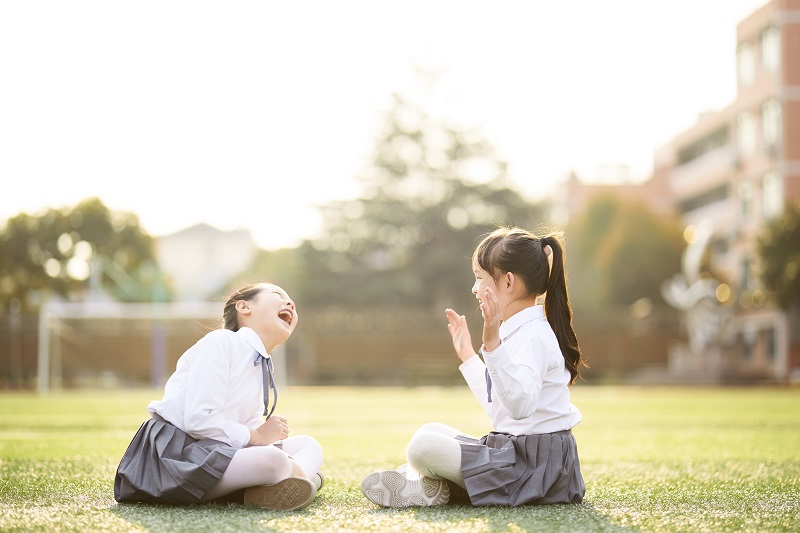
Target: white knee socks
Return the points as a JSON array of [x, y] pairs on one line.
[[306, 452], [434, 452], [267, 465]]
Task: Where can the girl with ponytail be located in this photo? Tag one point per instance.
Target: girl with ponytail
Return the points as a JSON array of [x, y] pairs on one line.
[[528, 360]]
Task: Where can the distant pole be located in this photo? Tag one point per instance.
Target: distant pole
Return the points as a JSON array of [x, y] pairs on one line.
[[158, 341], [56, 369], [43, 360], [15, 325]]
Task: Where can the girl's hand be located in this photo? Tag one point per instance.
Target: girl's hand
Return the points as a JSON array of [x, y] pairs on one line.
[[490, 309], [462, 341], [275, 428]]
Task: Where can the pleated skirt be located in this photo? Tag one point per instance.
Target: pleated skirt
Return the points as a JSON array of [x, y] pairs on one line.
[[163, 464], [501, 469]]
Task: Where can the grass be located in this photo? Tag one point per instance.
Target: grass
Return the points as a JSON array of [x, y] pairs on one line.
[[654, 459]]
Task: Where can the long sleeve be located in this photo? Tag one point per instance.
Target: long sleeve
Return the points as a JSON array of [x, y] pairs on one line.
[[474, 373], [517, 381], [530, 383], [206, 393]]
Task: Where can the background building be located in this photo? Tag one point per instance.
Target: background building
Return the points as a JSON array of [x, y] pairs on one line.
[[735, 169], [201, 260]]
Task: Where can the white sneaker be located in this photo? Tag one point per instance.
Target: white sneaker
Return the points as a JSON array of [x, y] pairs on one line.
[[390, 488], [291, 494]]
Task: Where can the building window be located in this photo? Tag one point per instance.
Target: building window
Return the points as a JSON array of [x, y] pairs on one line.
[[770, 49], [771, 125], [772, 345], [772, 194], [746, 200], [716, 140], [747, 350], [718, 194], [745, 282], [744, 62], [745, 134]]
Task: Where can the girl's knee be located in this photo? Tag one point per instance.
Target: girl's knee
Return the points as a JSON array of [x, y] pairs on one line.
[[309, 443], [436, 427], [300, 443], [433, 427], [273, 464], [420, 444]]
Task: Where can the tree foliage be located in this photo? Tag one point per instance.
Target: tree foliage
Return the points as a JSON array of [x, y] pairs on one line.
[[620, 251], [779, 252], [54, 252], [430, 193]]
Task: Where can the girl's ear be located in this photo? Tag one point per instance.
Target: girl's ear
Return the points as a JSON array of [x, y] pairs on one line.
[[242, 307], [509, 281]]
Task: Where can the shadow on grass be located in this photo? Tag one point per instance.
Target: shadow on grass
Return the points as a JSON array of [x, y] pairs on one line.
[[461, 516], [202, 517], [322, 517], [533, 518]]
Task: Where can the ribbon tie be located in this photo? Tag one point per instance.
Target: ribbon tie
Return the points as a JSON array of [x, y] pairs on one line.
[[488, 378], [269, 382]]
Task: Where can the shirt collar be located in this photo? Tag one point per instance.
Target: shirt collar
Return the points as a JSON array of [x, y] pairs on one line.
[[253, 340], [515, 321]]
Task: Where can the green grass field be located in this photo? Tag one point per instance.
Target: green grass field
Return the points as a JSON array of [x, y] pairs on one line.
[[654, 459]]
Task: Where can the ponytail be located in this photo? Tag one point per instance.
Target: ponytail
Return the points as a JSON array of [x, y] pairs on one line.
[[557, 307]]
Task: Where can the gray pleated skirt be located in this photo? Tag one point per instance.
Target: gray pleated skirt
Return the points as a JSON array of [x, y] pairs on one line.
[[163, 464], [501, 469]]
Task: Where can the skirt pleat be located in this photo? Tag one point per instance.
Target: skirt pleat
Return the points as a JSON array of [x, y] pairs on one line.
[[163, 464], [501, 469]]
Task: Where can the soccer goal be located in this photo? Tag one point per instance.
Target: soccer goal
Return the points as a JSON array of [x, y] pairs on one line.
[[108, 344]]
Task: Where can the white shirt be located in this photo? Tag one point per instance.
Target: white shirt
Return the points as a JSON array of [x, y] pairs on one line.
[[530, 393], [216, 391]]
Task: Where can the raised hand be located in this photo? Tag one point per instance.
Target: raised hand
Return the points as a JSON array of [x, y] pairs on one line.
[[462, 341], [275, 428], [490, 309]]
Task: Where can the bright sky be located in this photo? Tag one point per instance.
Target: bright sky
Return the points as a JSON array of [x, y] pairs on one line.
[[248, 114]]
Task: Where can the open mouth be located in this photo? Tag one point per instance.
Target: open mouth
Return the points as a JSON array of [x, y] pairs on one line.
[[286, 316]]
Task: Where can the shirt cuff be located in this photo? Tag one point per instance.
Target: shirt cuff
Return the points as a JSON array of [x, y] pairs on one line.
[[484, 351], [469, 363], [241, 438]]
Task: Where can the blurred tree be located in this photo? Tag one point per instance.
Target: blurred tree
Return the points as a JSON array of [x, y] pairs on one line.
[[56, 251], [779, 253], [620, 251], [431, 192]]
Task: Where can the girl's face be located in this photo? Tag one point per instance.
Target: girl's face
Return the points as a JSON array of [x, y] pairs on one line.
[[482, 280], [271, 314], [506, 294]]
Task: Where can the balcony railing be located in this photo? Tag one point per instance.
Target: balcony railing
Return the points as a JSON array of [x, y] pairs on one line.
[[711, 168]]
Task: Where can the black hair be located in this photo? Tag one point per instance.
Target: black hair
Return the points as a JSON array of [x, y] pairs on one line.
[[522, 253], [230, 316]]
